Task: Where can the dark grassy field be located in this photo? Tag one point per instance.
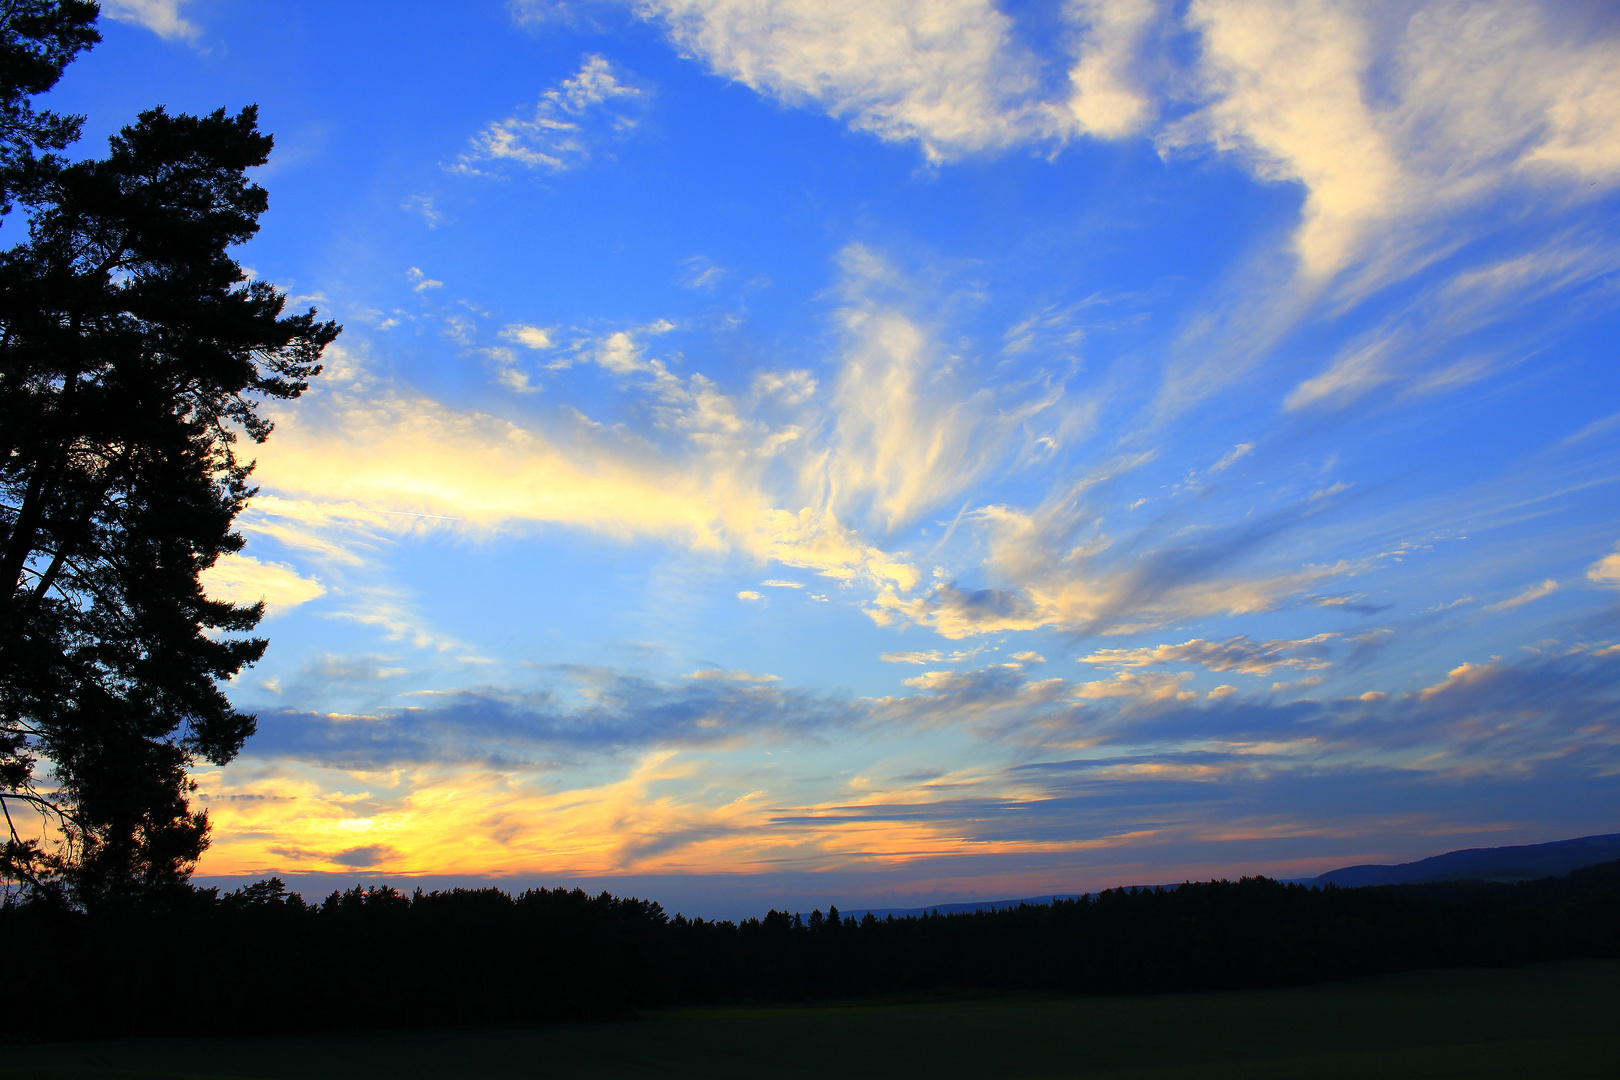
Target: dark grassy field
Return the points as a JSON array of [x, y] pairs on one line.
[[1547, 1020]]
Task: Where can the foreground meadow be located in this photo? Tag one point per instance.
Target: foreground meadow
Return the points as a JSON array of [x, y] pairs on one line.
[[1544, 1020]]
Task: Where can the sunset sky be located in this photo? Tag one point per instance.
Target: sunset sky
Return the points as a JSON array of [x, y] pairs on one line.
[[888, 452]]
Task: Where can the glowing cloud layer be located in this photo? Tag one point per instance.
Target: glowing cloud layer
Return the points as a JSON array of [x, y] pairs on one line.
[[926, 448]]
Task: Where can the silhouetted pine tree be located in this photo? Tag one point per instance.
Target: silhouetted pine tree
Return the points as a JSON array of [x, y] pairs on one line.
[[134, 352]]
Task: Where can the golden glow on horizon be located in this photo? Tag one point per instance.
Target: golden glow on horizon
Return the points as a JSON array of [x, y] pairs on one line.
[[723, 810], [662, 817]]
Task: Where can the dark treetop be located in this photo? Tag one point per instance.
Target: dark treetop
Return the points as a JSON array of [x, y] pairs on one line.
[[38, 39]]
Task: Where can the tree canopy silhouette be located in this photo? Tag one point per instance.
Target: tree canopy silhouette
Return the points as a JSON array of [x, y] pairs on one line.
[[38, 39], [134, 352]]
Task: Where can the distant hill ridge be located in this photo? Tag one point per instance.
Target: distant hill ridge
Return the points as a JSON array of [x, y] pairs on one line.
[[1524, 862]]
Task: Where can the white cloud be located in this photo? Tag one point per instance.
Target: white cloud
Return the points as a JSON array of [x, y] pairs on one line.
[[945, 73], [790, 387], [775, 584], [508, 372], [621, 355], [566, 123], [1145, 689], [1522, 86], [748, 594], [1284, 81], [816, 540], [162, 17], [1389, 115], [1108, 98], [1606, 571], [396, 615], [1462, 677], [1534, 592], [242, 579], [420, 282], [732, 676], [930, 656], [534, 337], [1392, 114]]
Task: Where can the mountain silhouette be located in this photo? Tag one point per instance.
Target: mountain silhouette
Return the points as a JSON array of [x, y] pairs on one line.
[[1524, 862]]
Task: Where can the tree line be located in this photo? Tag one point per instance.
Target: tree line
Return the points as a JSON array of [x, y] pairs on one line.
[[261, 959]]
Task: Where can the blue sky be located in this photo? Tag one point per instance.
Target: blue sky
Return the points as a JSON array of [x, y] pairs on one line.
[[782, 451]]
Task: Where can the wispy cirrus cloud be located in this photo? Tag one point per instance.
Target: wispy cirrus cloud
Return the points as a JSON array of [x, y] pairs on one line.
[[362, 460], [1062, 572], [599, 102], [912, 426], [1415, 349], [905, 428], [1239, 654], [1533, 592]]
